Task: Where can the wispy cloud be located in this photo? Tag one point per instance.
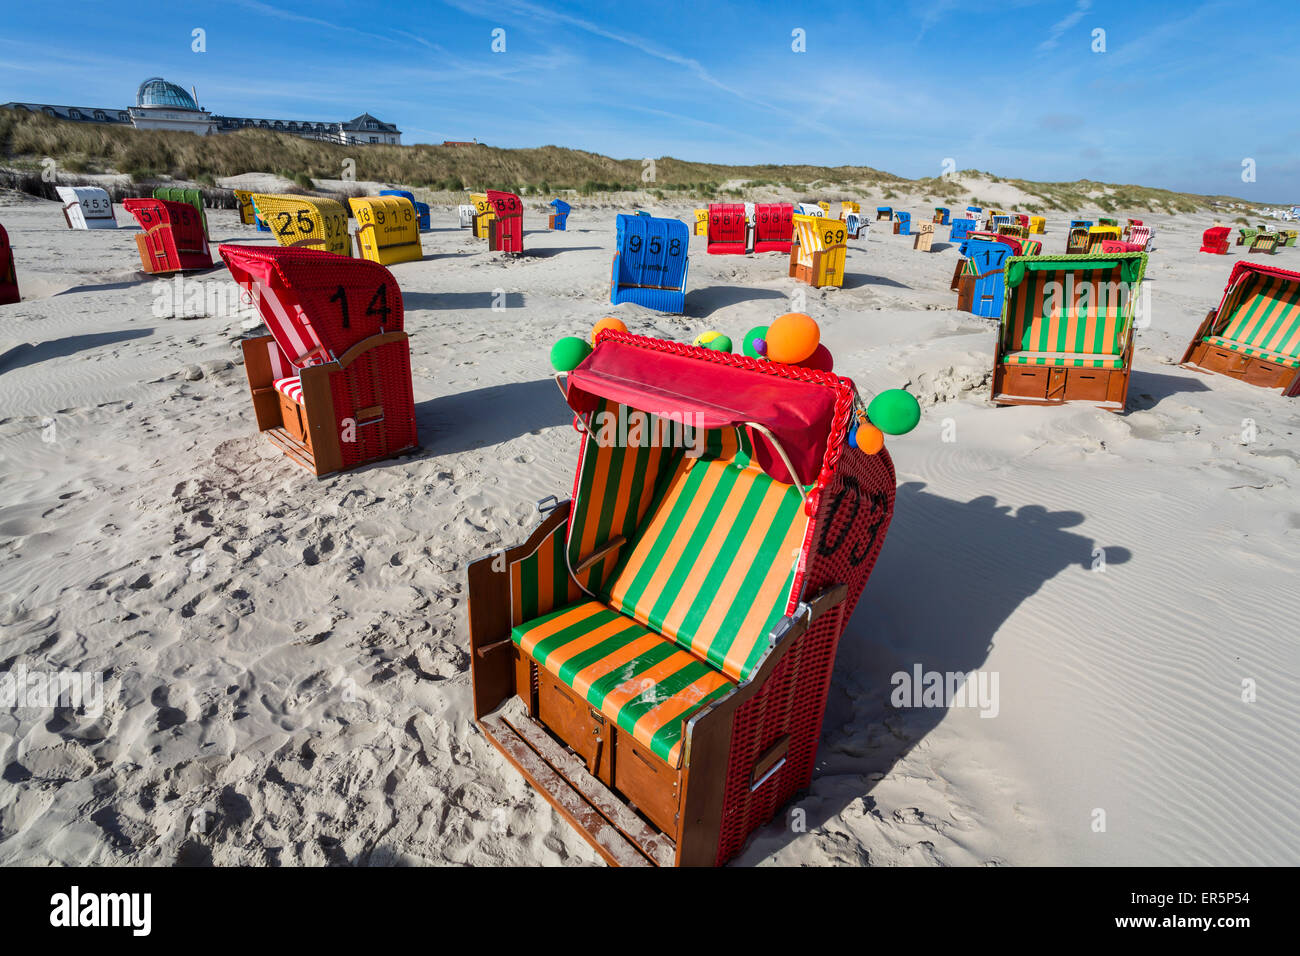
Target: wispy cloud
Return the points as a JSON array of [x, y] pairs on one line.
[[1060, 26]]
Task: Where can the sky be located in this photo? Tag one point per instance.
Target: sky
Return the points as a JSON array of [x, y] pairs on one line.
[[1175, 95]]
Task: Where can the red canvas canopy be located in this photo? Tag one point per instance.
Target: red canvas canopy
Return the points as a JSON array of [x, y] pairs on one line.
[[1241, 269], [709, 389]]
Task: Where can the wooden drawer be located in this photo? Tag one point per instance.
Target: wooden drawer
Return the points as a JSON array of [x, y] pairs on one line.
[[1087, 384], [1269, 374], [1223, 360], [575, 722], [1025, 381], [647, 782]]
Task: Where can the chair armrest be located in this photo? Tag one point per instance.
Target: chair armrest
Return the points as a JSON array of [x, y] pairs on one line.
[[610, 546], [365, 345], [793, 625]]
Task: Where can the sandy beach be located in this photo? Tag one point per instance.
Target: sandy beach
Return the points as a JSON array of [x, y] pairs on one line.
[[285, 674]]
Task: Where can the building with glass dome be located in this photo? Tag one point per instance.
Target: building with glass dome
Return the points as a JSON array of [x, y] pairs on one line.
[[163, 105]]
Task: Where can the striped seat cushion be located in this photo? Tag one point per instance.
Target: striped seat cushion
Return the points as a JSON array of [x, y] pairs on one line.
[[1265, 322], [1076, 316], [639, 680], [1071, 359], [713, 564], [1290, 361], [290, 388]]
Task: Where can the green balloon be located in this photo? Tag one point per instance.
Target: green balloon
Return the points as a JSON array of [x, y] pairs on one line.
[[568, 353], [747, 346], [719, 343], [894, 411]]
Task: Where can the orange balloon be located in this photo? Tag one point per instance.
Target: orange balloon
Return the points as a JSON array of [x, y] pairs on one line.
[[608, 322], [792, 338], [870, 439]]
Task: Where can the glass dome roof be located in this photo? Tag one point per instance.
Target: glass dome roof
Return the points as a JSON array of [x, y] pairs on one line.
[[156, 91]]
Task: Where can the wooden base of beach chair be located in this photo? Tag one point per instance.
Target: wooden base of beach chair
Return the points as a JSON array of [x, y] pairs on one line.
[[955, 284], [1204, 357], [1049, 385]]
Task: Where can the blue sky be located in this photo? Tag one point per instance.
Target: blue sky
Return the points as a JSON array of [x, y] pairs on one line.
[[1182, 94]]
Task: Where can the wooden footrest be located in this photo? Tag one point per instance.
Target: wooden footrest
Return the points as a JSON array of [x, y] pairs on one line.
[[612, 828]]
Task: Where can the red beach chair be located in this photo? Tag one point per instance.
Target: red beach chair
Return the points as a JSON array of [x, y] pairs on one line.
[[728, 229], [173, 240], [331, 384], [8, 276], [1215, 240], [506, 228]]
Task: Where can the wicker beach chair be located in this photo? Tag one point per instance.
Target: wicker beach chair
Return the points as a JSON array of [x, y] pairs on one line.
[[173, 239], [87, 207], [1254, 334], [728, 230], [8, 274], [650, 263], [665, 639], [818, 254], [331, 384], [774, 227], [1066, 332]]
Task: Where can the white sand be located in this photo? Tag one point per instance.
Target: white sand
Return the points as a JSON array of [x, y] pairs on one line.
[[288, 655]]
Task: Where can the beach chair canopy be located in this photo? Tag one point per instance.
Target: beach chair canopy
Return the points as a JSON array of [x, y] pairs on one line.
[[1215, 240], [941, 215], [561, 207], [960, 229], [1070, 311], [729, 393], [316, 304], [650, 262], [809, 209]]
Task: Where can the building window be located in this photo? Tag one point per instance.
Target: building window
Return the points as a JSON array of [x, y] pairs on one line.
[[74, 114], [49, 111], [371, 124], [99, 115]]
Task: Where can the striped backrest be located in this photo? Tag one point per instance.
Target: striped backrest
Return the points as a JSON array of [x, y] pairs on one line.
[[714, 563], [817, 234], [1139, 234], [1085, 310], [1263, 311]]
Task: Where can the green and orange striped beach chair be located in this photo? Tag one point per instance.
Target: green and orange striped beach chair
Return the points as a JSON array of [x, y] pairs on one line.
[[1265, 242], [664, 640], [1254, 334], [1066, 333]]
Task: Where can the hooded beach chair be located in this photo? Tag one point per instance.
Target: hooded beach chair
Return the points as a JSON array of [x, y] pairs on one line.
[[421, 208], [1037, 226], [87, 207], [1254, 334], [302, 222], [179, 194], [959, 229], [774, 227], [902, 223], [559, 220], [974, 212], [665, 639], [701, 226], [244, 203], [1264, 242], [1139, 237], [1013, 229], [979, 289], [483, 214], [941, 216], [1128, 228], [924, 236], [1215, 240], [998, 222], [884, 212], [817, 256], [809, 209], [1066, 332], [1287, 237], [388, 228], [855, 226], [331, 384], [1076, 243], [959, 268], [847, 207], [173, 239], [650, 263], [1081, 224], [728, 230], [8, 275], [506, 228], [465, 214], [1246, 235], [1103, 221]]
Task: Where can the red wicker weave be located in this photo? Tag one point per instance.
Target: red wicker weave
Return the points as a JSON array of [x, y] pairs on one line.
[[8, 277]]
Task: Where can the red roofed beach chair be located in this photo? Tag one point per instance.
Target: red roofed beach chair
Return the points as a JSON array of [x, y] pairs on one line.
[[1066, 333], [774, 227], [1254, 334], [331, 384], [506, 228], [1128, 229], [1139, 237], [173, 240], [8, 276], [675, 623], [728, 233], [1215, 240]]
